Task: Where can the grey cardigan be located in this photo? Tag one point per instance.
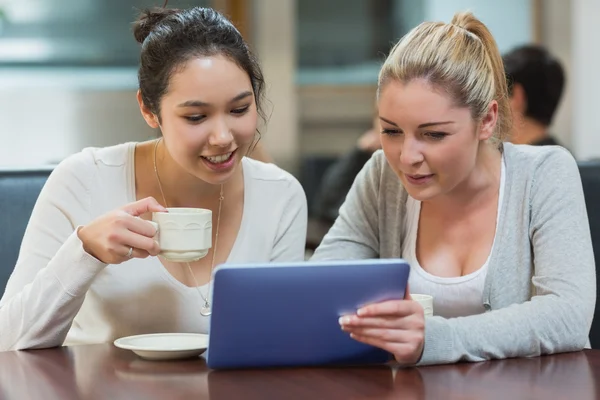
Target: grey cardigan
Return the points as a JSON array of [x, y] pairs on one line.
[[540, 289]]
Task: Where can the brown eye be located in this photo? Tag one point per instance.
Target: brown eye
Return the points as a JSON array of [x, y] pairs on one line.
[[240, 110], [195, 118]]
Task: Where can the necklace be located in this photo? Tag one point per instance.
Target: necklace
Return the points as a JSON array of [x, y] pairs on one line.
[[205, 310]]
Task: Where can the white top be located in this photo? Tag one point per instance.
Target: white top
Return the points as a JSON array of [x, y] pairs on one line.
[[56, 283], [452, 297]]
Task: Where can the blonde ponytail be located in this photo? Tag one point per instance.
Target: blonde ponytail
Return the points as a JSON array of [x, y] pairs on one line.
[[462, 58]]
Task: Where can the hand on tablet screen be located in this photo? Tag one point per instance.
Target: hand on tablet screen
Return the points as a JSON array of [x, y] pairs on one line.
[[397, 326]]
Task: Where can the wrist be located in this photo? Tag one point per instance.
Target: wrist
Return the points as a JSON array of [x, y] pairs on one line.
[[81, 234]]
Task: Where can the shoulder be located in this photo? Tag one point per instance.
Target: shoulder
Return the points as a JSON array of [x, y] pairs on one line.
[[99, 157], [539, 163], [270, 176], [84, 170], [545, 180], [378, 168], [112, 156], [377, 162], [273, 193], [378, 175]]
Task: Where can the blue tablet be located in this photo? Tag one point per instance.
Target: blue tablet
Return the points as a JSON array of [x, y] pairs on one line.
[[283, 315]]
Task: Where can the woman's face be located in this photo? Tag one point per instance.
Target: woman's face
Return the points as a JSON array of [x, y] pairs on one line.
[[209, 117], [429, 142]]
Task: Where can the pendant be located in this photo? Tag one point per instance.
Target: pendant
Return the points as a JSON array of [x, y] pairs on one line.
[[205, 310]]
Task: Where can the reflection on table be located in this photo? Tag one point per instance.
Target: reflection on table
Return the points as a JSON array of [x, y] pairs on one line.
[[103, 371]]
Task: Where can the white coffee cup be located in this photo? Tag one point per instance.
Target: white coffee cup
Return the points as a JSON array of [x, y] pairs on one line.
[[426, 301], [183, 234]]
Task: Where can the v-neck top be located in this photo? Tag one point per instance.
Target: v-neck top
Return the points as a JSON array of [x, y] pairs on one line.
[[452, 297], [60, 294]]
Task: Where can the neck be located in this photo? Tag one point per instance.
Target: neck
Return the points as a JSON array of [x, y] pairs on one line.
[[529, 131], [482, 184], [181, 189]]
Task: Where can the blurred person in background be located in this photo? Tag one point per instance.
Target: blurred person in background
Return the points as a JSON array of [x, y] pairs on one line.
[[339, 177], [536, 81]]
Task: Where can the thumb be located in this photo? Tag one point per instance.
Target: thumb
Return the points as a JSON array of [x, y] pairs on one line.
[[407, 293], [149, 204]]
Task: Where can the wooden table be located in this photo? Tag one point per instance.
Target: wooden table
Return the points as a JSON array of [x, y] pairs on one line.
[[105, 372]]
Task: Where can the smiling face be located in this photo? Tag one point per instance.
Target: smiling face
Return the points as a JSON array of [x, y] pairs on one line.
[[208, 117], [429, 142]]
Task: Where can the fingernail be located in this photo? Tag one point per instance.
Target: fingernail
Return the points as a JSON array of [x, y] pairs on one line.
[[344, 320], [360, 312]]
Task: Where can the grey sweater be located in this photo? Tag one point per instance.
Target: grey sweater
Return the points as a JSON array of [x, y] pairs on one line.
[[540, 289]]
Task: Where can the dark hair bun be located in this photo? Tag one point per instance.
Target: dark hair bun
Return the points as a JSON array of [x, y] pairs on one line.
[[148, 20]]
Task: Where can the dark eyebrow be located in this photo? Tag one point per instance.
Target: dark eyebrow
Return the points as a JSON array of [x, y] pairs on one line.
[[241, 96], [428, 124], [198, 103], [435, 123], [389, 122]]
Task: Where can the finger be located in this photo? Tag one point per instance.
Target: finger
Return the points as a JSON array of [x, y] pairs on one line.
[[403, 353], [407, 293], [137, 241], [382, 344], [371, 322], [149, 204], [396, 308], [124, 234], [136, 253], [387, 335], [140, 226]]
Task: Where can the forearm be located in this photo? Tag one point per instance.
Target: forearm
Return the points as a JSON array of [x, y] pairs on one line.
[[39, 313], [545, 325]]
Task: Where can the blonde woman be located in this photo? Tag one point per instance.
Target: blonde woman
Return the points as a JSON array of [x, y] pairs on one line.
[[497, 233]]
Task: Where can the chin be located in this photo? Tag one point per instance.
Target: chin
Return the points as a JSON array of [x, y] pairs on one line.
[[422, 194]]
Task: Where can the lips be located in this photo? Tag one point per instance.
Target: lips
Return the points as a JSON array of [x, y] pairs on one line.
[[418, 179], [220, 162], [219, 158], [419, 176]]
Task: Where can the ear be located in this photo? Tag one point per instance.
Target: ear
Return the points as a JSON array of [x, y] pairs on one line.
[[488, 123], [151, 119], [518, 99]]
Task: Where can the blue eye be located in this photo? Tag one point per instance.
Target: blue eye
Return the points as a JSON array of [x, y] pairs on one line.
[[436, 135]]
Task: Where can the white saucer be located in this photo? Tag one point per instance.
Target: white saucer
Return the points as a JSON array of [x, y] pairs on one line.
[[165, 346]]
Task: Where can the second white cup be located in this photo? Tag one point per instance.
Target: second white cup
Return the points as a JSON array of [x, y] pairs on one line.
[[426, 301]]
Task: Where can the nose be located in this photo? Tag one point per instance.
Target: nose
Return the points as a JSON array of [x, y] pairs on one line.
[[220, 135], [410, 153]]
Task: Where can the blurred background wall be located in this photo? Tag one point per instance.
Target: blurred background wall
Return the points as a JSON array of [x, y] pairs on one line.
[[68, 68]]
